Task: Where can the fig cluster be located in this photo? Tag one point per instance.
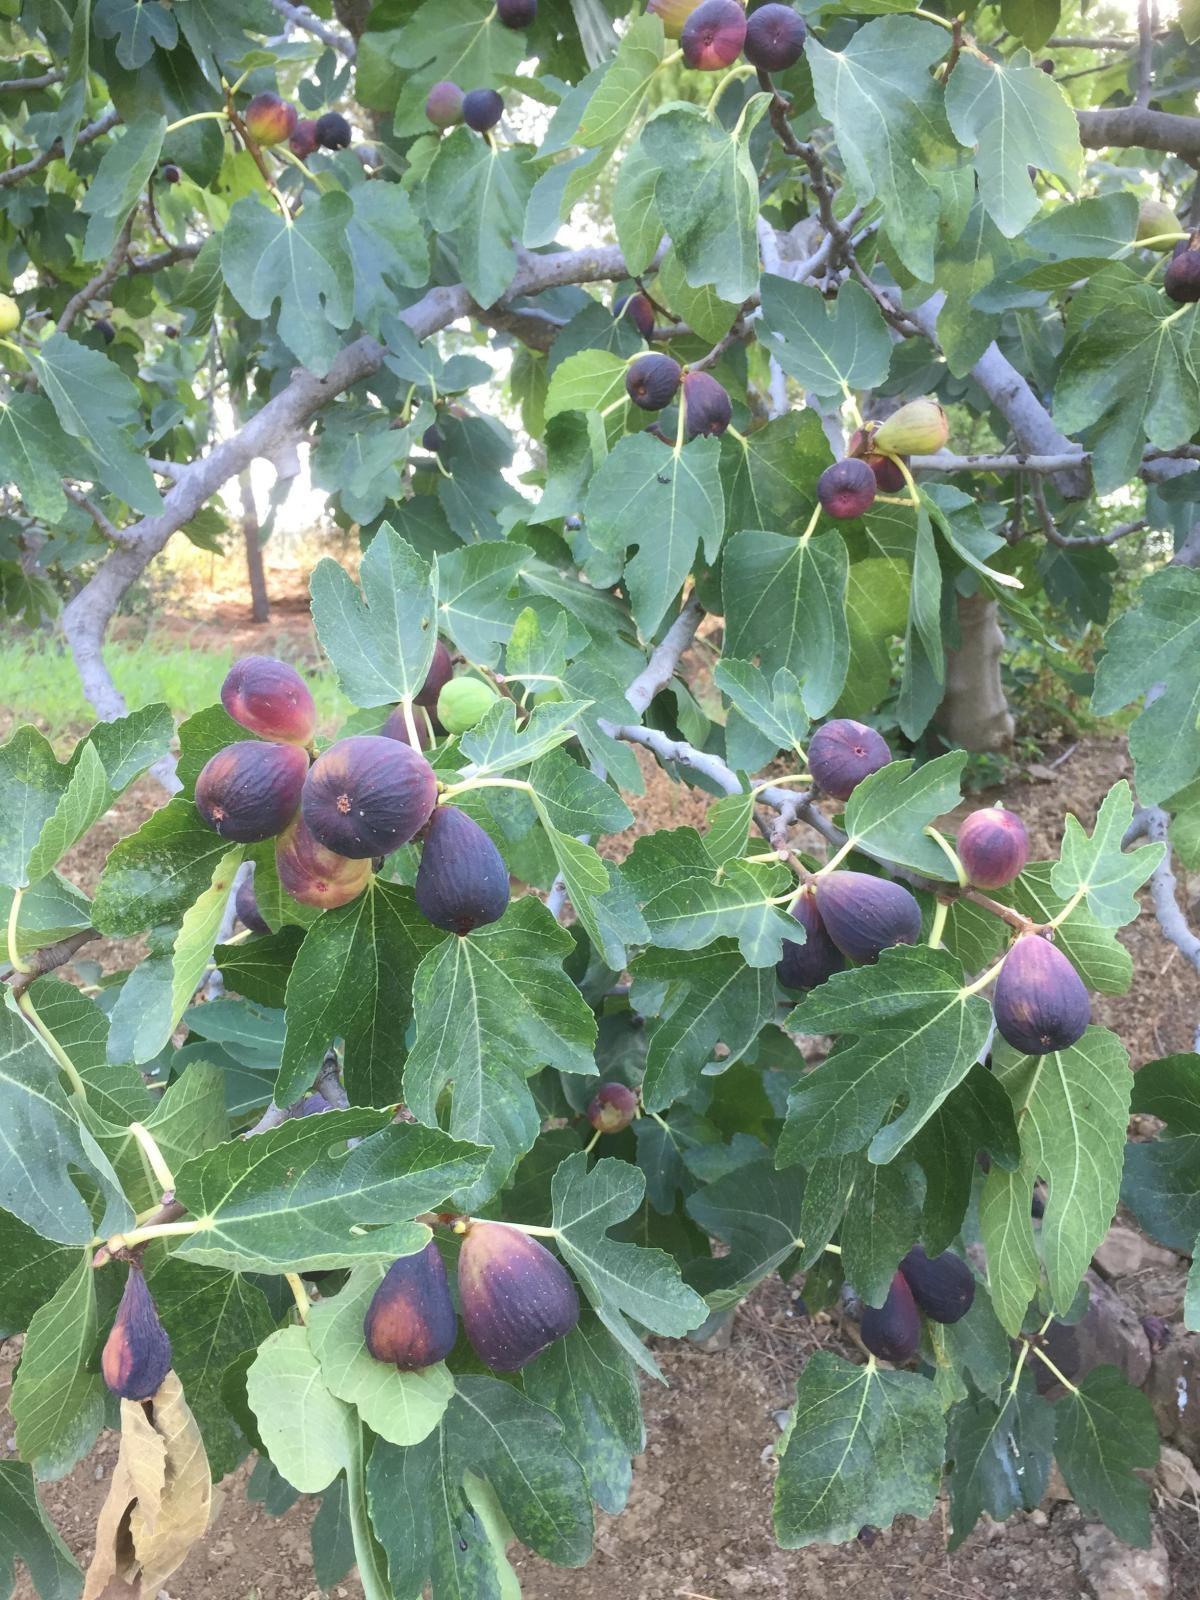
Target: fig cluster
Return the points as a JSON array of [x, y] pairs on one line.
[[653, 381], [446, 105], [871, 466], [516, 1299], [270, 121], [942, 1287], [713, 33]]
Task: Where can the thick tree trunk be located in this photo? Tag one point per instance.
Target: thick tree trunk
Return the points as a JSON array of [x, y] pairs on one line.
[[974, 713], [260, 602]]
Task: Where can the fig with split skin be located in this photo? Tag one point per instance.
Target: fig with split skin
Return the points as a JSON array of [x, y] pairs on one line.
[[707, 406], [367, 795], [639, 310], [444, 104], [943, 1286], [1040, 1003], [137, 1353], [864, 915], [410, 1323], [464, 702], [892, 1332], [774, 38], [652, 381], [842, 753], [462, 882], [804, 966], [993, 846], [713, 36], [269, 120], [888, 477], [271, 699], [516, 1298], [250, 791], [613, 1107], [847, 489], [314, 875]]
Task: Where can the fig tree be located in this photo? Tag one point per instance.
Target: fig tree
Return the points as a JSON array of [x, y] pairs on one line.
[[462, 882], [707, 406], [917, 429], [804, 966], [712, 37], [250, 791], [482, 109], [516, 13], [444, 104], [674, 13], [1040, 1003], [10, 314], [1181, 280], [847, 489], [333, 131], [137, 1353], [866, 915], [893, 1331], [652, 381], [943, 1286], [842, 753], [774, 38], [269, 120], [993, 846], [463, 702], [613, 1107], [314, 875], [410, 1322], [640, 311], [271, 699], [368, 795], [516, 1298]]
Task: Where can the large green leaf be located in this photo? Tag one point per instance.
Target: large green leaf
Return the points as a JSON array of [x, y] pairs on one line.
[[1000, 1454], [1097, 867], [890, 810], [1105, 1429], [28, 1535], [58, 1396], [476, 192], [829, 349], [754, 1210], [1161, 1185]]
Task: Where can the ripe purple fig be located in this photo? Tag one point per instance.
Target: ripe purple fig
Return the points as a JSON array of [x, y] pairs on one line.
[[943, 1286], [169, 172], [313, 1105], [613, 1108], [707, 406], [804, 966], [774, 38], [1040, 1002], [333, 131], [444, 104], [844, 752], [516, 1298], [1181, 280], [462, 882], [652, 381], [271, 699], [410, 1322], [847, 489], [314, 875], [482, 109], [250, 791], [137, 1353], [269, 120], [993, 847], [304, 139], [674, 14], [865, 915], [245, 903], [888, 477], [433, 439], [516, 13], [396, 726], [367, 795], [712, 37], [893, 1331], [640, 311], [441, 670]]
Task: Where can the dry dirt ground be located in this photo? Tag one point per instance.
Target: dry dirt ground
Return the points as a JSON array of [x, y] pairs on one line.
[[698, 1522]]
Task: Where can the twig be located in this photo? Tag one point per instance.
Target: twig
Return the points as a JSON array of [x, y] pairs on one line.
[[109, 529], [164, 258], [12, 85], [302, 17], [1086, 541], [27, 168], [1100, 42], [1145, 66], [50, 959], [96, 286]]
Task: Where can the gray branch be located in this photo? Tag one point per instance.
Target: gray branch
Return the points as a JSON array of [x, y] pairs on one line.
[[1152, 822], [302, 17], [1136, 127]]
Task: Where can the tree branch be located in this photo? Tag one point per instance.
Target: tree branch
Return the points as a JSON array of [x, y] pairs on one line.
[[86, 135], [107, 528], [96, 286], [660, 669], [1152, 822], [1090, 541], [1145, 69], [12, 85], [302, 17], [48, 960], [164, 258], [1130, 127]]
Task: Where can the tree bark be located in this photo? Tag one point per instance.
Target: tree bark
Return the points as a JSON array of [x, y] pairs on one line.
[[974, 713], [260, 600]]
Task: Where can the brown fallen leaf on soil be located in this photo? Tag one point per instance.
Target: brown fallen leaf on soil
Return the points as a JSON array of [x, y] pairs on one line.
[[159, 1502]]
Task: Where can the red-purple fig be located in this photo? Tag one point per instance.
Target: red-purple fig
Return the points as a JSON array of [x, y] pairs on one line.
[[304, 139], [367, 795], [844, 752], [943, 1286], [137, 1353], [804, 966], [314, 875], [271, 699], [639, 310], [516, 13], [1040, 1002], [1181, 280], [250, 791], [993, 846], [333, 131], [888, 477], [410, 1322], [712, 37], [516, 1298], [441, 670], [613, 1108], [396, 726], [847, 489], [707, 405], [482, 109], [866, 915], [245, 904], [444, 104], [462, 882], [652, 381], [269, 120], [774, 38], [893, 1331]]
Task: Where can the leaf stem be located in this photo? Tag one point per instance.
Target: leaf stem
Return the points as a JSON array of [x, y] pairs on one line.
[[410, 722], [981, 983], [1148, 244], [812, 524], [732, 76], [932, 16], [951, 855], [299, 1295], [197, 116], [1022, 1357], [162, 1172], [777, 783], [837, 857], [29, 1011], [483, 783], [521, 1227], [14, 917], [153, 1230], [1051, 1368], [592, 1142], [1057, 920], [941, 912]]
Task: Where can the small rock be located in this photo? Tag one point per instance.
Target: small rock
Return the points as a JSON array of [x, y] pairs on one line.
[[1114, 1571], [715, 1334], [1125, 1251], [1039, 1519], [1176, 1476]]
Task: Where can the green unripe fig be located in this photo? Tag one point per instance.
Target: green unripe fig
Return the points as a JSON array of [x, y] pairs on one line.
[[917, 429], [463, 703], [1155, 218], [10, 314]]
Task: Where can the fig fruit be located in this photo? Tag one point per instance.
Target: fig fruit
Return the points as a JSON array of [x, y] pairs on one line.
[[916, 429], [441, 670], [368, 795], [774, 38], [304, 139], [847, 489], [333, 131], [888, 477], [712, 37], [707, 406], [271, 699], [804, 966], [1156, 219], [516, 13], [1040, 1002], [410, 1322], [482, 109], [463, 702], [245, 904], [865, 915], [396, 726], [444, 104], [652, 381], [613, 1108], [269, 120], [10, 314], [314, 875], [674, 13], [433, 439], [993, 847], [893, 1331], [516, 1298], [844, 752], [462, 882], [137, 1353], [1181, 280], [943, 1286], [250, 791], [169, 172], [640, 311], [313, 1105]]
